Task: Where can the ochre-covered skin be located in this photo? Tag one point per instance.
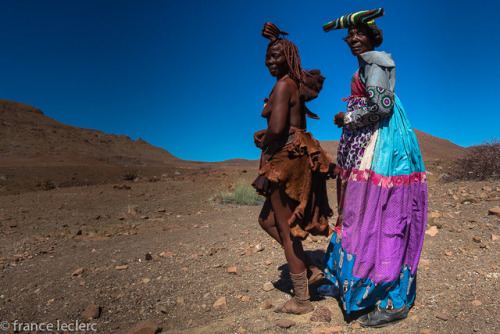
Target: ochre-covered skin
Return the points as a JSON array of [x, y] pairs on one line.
[[293, 168]]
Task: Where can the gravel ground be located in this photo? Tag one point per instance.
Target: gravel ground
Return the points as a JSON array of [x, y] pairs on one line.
[[111, 256]]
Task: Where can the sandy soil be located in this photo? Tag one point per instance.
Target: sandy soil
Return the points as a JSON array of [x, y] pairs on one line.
[[161, 249]]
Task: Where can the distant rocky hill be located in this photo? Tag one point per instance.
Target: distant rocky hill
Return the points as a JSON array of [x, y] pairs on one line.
[[433, 148], [29, 138]]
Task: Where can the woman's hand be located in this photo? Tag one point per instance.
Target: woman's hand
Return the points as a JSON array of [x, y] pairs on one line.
[[339, 119], [257, 137]]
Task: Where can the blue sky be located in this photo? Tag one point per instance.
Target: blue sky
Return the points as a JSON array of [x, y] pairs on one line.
[[189, 76]]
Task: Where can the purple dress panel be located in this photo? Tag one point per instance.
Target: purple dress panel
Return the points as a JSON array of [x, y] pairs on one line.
[[384, 237]]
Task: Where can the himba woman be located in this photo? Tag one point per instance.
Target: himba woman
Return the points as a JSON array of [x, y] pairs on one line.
[[373, 254], [293, 167]]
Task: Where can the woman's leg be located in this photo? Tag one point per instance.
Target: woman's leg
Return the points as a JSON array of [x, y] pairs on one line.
[[268, 223], [283, 207]]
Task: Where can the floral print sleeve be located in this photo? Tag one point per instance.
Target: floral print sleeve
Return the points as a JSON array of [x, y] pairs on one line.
[[372, 109], [378, 103]]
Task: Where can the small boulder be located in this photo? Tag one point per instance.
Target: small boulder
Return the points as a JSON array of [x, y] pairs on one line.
[[220, 304], [145, 327], [494, 211], [233, 270], [78, 272], [91, 312], [442, 316], [285, 323], [432, 231], [321, 314], [268, 286]]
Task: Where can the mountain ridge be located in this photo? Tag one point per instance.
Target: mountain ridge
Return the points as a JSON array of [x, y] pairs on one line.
[[30, 138]]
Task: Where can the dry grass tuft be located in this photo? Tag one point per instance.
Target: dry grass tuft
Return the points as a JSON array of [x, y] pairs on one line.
[[243, 194]]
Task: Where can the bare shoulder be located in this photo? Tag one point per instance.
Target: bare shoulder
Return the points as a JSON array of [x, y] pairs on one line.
[[285, 86]]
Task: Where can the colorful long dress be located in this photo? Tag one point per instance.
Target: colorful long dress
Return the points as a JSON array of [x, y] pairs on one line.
[[373, 255]]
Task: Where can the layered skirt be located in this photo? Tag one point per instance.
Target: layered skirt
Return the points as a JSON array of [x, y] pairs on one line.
[[373, 255], [301, 169]]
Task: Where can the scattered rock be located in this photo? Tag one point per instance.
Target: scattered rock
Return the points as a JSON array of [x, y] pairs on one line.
[[432, 231], [328, 330], [233, 270], [494, 237], [266, 305], [78, 272], [494, 211], [356, 325], [75, 232], [476, 239], [285, 323], [436, 222], [148, 256], [220, 304], [448, 253], [259, 248], [245, 298], [477, 303], [442, 316], [91, 312], [321, 314], [123, 267], [434, 215], [268, 286], [145, 327]]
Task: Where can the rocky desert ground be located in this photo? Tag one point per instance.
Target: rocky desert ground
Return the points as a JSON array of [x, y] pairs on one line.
[[108, 241]]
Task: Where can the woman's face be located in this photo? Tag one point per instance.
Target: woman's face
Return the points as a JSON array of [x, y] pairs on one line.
[[358, 40], [276, 61]]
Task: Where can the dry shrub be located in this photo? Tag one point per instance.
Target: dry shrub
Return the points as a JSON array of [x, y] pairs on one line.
[[130, 175], [482, 162], [45, 184], [243, 194]]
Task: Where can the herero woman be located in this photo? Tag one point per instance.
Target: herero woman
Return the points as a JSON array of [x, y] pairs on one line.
[[293, 167], [373, 254]]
